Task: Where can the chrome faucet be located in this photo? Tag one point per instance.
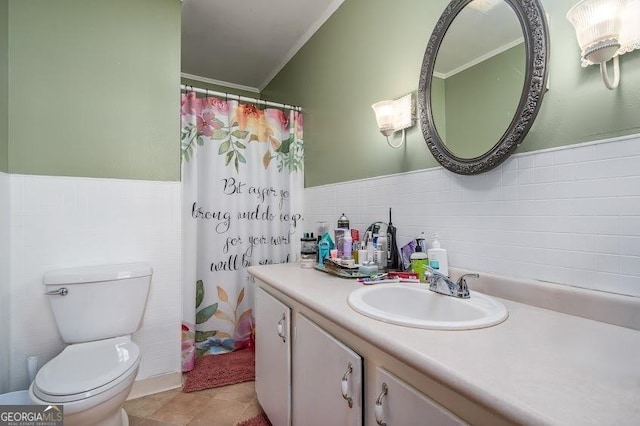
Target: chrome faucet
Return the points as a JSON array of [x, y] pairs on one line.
[[440, 283]]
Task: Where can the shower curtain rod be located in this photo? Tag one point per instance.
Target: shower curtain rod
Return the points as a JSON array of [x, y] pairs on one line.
[[190, 88]]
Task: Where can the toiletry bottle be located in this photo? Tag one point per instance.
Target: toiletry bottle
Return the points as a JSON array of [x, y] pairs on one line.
[[355, 245], [339, 238], [362, 255], [347, 245], [438, 256], [419, 262], [308, 250], [323, 251], [370, 247], [323, 228], [382, 251], [354, 249]]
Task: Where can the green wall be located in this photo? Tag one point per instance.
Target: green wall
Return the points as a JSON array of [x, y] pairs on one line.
[[94, 88], [4, 83], [475, 123], [367, 51], [371, 50]]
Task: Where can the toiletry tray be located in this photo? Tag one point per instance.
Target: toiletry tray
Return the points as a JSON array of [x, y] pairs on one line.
[[342, 273]]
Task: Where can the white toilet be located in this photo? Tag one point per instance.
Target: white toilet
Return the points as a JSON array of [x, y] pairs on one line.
[[96, 310]]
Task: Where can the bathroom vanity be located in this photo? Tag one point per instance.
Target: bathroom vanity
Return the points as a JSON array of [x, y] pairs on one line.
[[563, 356]]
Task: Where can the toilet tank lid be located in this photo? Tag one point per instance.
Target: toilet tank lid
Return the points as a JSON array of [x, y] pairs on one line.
[[91, 274]]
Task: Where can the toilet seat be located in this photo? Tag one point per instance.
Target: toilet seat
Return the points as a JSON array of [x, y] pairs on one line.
[[85, 370]]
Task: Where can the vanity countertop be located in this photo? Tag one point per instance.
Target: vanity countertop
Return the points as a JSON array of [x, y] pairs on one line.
[[538, 367]]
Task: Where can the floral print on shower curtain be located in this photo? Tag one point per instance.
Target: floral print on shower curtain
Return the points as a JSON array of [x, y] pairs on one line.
[[242, 177]]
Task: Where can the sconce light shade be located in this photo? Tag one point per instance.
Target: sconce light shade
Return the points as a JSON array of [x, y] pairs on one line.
[[630, 33], [395, 115], [606, 29], [385, 116], [597, 24]]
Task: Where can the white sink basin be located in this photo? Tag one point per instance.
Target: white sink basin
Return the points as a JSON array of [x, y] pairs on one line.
[[414, 305]]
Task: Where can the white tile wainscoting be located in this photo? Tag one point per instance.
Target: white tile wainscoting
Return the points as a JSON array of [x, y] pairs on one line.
[[568, 215], [4, 281], [59, 222]]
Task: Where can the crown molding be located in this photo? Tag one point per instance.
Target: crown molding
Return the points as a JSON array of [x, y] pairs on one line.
[[220, 83], [333, 6], [481, 58]]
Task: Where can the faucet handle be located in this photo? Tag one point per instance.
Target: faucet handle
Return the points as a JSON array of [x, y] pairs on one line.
[[463, 288]]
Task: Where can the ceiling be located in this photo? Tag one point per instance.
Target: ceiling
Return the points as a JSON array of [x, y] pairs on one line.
[[245, 43]]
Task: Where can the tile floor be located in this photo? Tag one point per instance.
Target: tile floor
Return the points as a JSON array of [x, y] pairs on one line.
[[224, 406]]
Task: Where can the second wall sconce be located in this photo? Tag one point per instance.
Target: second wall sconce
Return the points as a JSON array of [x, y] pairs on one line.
[[396, 115], [605, 30]]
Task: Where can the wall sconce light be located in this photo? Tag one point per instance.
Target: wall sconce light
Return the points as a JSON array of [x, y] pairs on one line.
[[605, 30], [395, 115]]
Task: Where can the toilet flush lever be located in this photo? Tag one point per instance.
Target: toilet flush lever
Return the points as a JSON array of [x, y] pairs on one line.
[[59, 292]]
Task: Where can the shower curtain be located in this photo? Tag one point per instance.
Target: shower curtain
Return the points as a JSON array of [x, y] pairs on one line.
[[242, 177]]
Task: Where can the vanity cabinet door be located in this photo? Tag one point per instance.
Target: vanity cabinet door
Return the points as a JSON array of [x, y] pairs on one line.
[[403, 405], [273, 357], [327, 378]]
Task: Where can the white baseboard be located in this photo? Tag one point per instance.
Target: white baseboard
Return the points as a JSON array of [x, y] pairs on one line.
[[155, 384]]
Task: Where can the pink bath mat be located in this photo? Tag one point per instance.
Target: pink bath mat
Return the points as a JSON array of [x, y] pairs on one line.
[[259, 420], [213, 371]]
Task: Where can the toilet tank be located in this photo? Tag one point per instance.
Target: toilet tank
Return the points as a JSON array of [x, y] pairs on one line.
[[100, 302]]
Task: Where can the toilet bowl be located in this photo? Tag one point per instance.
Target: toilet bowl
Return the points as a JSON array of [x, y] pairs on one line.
[[96, 309], [15, 398], [21, 397], [91, 380]]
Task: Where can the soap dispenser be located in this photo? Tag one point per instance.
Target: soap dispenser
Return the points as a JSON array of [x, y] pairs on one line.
[[438, 257], [419, 262], [421, 240]]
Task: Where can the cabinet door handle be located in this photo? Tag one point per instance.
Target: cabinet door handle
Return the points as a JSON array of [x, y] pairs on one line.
[[281, 328], [379, 410], [344, 385]]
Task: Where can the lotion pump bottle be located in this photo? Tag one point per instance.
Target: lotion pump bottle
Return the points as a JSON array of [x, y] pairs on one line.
[[438, 256]]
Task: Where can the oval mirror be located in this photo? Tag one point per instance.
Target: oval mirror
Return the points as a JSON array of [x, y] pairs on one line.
[[482, 81]]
